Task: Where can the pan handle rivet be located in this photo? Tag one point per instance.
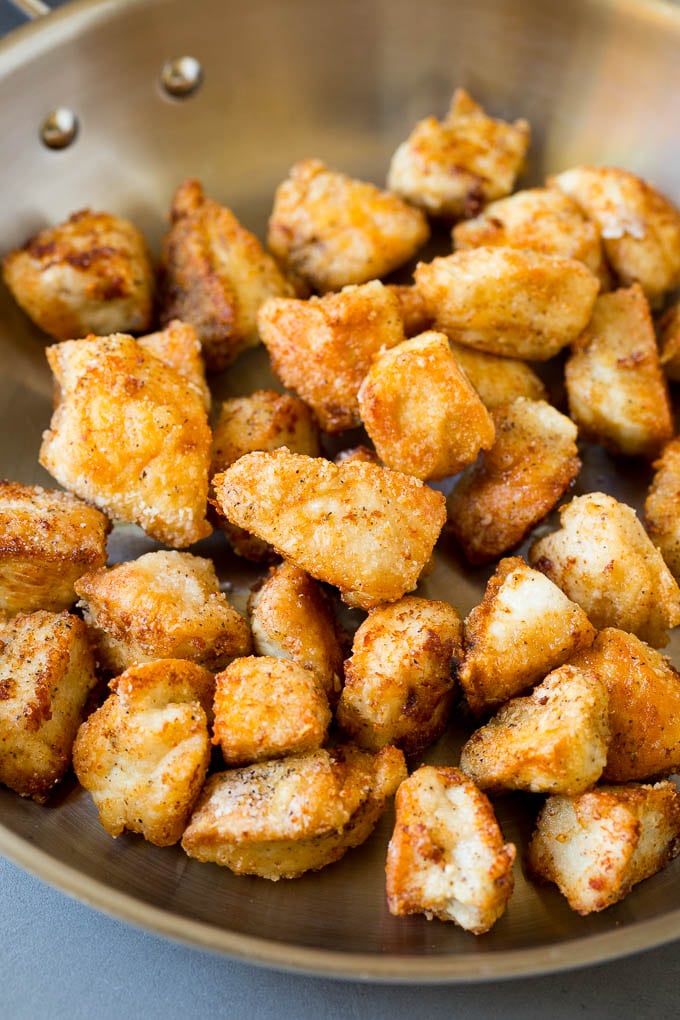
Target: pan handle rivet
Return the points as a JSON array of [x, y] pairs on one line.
[[182, 76], [59, 128]]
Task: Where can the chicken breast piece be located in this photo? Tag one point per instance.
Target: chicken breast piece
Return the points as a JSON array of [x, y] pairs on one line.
[[520, 304], [399, 681], [179, 347], [523, 628], [553, 741], [129, 435], [47, 540], [669, 342], [47, 672], [453, 167], [662, 506], [366, 529], [90, 274], [163, 605], [144, 754], [279, 819], [498, 380], [420, 411], [602, 559], [447, 858], [514, 484], [617, 392], [596, 846]]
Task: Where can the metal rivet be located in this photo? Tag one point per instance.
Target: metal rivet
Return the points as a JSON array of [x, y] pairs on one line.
[[59, 128], [182, 76]]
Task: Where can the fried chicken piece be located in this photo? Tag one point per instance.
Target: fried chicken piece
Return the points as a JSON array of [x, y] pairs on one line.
[[523, 628], [420, 411], [144, 754], [47, 540], [399, 681], [179, 347], [513, 485], [498, 380], [90, 274], [363, 528], [553, 741], [669, 342], [453, 167], [215, 274], [163, 605], [447, 858], [662, 506], [323, 348], [596, 846], [361, 453], [47, 672], [279, 819], [412, 308], [603, 560], [129, 435], [517, 303], [617, 392], [328, 230]]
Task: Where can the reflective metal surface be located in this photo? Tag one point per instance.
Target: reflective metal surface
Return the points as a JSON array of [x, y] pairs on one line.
[[599, 81]]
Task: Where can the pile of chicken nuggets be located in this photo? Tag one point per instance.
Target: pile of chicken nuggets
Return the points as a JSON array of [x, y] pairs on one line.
[[272, 742]]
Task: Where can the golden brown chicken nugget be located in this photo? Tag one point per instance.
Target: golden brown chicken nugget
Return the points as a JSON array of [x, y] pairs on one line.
[[498, 380], [669, 342], [662, 506], [179, 347]]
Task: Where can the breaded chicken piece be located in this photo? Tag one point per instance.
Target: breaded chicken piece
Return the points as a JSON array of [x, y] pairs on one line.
[[640, 228], [129, 435], [399, 681], [268, 708], [412, 308], [520, 304], [447, 858], [662, 506], [323, 348], [513, 485], [279, 819], [617, 392], [498, 380], [543, 219], [669, 342], [361, 453], [328, 230], [523, 628], [179, 347], [453, 167], [421, 412], [603, 560], [163, 605], [553, 741], [47, 540], [90, 274], [47, 672], [644, 705], [366, 529], [291, 618], [144, 754], [215, 274], [596, 846]]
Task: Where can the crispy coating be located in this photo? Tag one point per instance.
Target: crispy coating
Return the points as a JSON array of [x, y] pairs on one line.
[[179, 347], [268, 708], [412, 308], [322, 348], [46, 675], [144, 754], [421, 412], [603, 560], [90, 274], [47, 540], [279, 819], [523, 628], [597, 845], [453, 167], [329, 230], [215, 274], [517, 303], [617, 392], [669, 342], [644, 705], [399, 681], [553, 741], [512, 486], [446, 858], [163, 605], [662, 506], [498, 380], [640, 228], [363, 528], [291, 618], [129, 435]]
